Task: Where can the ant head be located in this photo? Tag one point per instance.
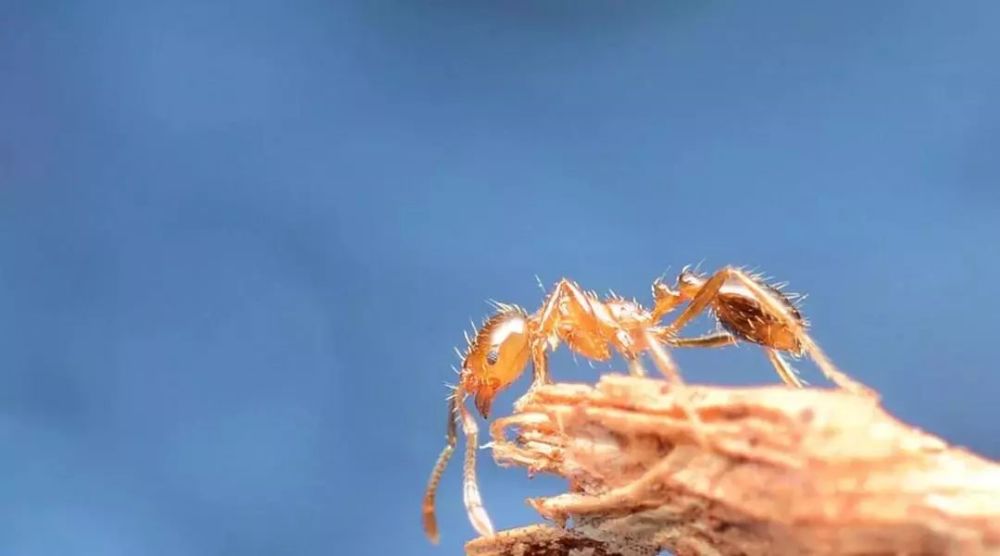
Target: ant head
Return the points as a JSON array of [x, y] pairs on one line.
[[689, 282], [497, 356]]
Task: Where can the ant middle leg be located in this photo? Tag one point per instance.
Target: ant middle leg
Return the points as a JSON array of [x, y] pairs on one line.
[[635, 367], [722, 339], [665, 363], [712, 340]]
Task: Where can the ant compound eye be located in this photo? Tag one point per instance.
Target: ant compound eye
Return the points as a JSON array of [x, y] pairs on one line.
[[492, 356]]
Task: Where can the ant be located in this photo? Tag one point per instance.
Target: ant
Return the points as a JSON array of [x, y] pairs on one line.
[[745, 305]]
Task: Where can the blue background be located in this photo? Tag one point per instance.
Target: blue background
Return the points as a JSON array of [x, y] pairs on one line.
[[238, 240]]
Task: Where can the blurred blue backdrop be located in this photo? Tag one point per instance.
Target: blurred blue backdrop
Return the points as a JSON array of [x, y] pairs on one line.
[[240, 239]]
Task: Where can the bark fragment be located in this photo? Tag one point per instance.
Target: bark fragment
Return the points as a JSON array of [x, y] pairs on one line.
[[781, 471]]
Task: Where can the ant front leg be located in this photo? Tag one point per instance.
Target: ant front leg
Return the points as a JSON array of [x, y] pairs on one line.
[[540, 371], [470, 486], [539, 365]]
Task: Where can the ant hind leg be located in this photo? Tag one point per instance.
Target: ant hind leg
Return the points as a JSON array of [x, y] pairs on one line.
[[785, 371]]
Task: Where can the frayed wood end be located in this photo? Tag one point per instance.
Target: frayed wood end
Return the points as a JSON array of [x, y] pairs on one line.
[[768, 470]]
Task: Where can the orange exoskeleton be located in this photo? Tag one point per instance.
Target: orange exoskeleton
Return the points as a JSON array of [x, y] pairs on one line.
[[747, 308]]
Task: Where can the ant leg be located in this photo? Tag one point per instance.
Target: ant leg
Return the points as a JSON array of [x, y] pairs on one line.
[[430, 520], [785, 371], [715, 339], [635, 367], [704, 297], [470, 486], [540, 373], [664, 362], [539, 365], [668, 367]]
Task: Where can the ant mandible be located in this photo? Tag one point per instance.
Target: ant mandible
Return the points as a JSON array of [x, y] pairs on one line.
[[745, 305]]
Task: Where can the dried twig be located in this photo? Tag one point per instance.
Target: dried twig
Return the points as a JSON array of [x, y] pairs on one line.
[[782, 471], [544, 540]]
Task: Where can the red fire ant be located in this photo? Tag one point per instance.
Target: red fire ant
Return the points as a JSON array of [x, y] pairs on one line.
[[747, 308]]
